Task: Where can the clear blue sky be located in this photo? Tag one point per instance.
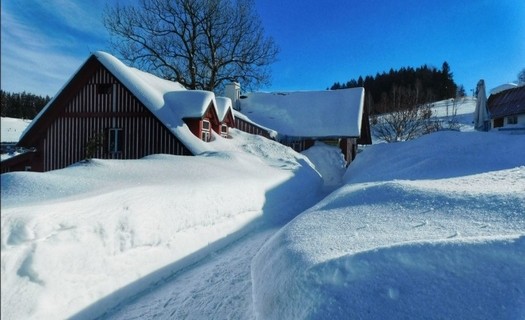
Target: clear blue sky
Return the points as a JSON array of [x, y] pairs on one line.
[[321, 42]]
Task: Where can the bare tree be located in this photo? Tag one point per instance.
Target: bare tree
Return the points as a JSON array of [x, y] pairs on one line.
[[202, 44], [409, 119], [405, 124]]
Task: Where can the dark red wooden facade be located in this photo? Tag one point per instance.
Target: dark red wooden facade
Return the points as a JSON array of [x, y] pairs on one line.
[[251, 128], [198, 125], [94, 104], [226, 123]]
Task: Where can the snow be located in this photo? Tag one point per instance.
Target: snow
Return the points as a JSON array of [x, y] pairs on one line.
[[503, 87], [12, 128], [223, 106], [315, 114], [429, 229], [71, 237]]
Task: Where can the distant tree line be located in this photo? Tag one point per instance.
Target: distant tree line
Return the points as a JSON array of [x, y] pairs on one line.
[[22, 105], [405, 88]]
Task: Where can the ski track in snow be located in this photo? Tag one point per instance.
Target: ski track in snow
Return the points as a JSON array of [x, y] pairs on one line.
[[186, 295]]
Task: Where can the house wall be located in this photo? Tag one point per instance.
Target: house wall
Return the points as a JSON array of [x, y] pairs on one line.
[[521, 119], [21, 162], [250, 128], [90, 114], [504, 121]]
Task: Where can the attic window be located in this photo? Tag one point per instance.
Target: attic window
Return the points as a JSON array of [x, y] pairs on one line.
[[224, 130], [104, 88]]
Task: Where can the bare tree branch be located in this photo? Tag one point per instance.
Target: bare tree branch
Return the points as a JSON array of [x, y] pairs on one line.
[[203, 44]]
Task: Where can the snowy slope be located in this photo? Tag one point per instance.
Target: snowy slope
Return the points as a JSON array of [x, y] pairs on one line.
[[429, 229], [12, 128]]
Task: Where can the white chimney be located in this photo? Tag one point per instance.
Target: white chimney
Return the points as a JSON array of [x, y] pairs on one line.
[[233, 91]]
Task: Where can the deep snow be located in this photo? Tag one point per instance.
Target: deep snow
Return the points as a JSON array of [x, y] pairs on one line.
[[428, 229], [432, 228], [71, 237]]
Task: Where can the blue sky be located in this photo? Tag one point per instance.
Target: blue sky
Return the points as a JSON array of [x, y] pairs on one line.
[[321, 42]]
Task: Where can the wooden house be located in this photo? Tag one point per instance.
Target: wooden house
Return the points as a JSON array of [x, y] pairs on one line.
[[299, 119], [507, 108], [108, 110]]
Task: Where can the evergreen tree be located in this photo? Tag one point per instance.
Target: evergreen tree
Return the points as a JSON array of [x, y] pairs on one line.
[[385, 91], [22, 105]]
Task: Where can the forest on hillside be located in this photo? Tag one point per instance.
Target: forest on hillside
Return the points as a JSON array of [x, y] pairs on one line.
[[22, 105], [405, 88]]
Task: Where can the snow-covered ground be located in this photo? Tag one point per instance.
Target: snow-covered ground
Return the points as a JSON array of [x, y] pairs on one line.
[[12, 128], [74, 236], [431, 228]]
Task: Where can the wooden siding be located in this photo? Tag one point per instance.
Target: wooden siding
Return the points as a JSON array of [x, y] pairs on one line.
[[21, 162], [250, 128], [90, 113]]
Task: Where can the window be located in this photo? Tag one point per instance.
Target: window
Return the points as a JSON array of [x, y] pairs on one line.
[[498, 122], [224, 130], [205, 136], [205, 132], [512, 120], [205, 125], [104, 88], [115, 140]]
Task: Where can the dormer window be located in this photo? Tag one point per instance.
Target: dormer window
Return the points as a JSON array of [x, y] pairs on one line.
[[224, 130]]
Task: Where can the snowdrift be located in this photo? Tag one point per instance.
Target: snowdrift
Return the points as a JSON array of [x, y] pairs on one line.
[[81, 239], [429, 229]]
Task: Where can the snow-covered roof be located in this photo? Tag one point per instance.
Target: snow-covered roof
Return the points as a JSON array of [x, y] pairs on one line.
[[503, 87], [330, 113], [223, 105], [168, 100], [159, 94]]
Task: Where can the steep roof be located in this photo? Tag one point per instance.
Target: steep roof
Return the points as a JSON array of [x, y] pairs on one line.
[[506, 103], [167, 100], [313, 114], [223, 106]]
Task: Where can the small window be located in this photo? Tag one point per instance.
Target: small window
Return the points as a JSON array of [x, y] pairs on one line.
[[205, 132], [512, 120], [27, 168], [224, 130], [205, 125], [104, 88], [498, 122], [205, 136], [115, 140]]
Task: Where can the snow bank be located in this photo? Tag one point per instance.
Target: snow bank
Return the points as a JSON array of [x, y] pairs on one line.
[[429, 229], [100, 231], [328, 161]]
